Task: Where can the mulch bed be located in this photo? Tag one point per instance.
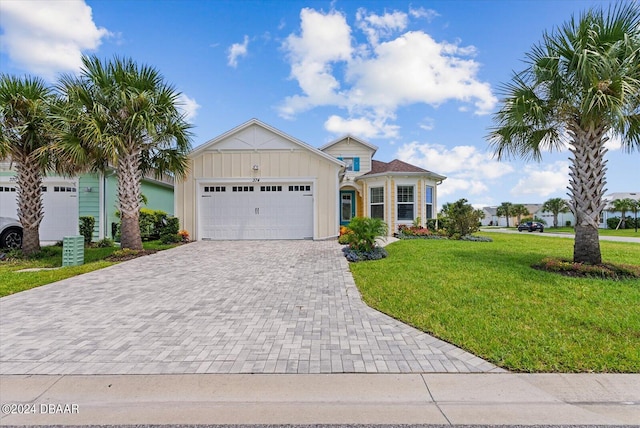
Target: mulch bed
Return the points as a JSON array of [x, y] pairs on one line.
[[130, 256], [582, 270]]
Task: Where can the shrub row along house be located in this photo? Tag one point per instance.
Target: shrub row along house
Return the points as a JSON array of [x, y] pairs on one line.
[[255, 182]]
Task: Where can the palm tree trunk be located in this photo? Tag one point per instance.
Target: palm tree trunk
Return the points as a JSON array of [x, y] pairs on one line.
[[587, 180], [30, 210], [555, 220], [129, 200]]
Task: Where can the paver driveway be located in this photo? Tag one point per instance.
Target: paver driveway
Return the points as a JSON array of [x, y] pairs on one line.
[[216, 307]]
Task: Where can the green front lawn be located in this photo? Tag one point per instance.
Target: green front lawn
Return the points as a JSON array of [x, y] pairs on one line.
[[485, 298], [51, 257]]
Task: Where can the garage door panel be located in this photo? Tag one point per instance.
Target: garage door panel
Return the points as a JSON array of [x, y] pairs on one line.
[[265, 211], [60, 202]]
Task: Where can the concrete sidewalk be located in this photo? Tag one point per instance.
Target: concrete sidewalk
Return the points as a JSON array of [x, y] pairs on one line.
[[492, 399]]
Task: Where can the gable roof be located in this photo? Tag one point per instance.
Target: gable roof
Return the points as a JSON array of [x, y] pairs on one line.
[[255, 122], [397, 166], [349, 137]]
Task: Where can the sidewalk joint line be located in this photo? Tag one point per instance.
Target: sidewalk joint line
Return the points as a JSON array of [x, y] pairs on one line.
[[434, 400]]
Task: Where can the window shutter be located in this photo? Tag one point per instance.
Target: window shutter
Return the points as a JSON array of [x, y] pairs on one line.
[[356, 164]]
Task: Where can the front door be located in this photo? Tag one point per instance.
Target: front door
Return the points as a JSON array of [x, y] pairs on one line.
[[347, 206]]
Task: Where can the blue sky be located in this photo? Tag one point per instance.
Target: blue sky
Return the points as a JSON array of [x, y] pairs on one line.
[[417, 79]]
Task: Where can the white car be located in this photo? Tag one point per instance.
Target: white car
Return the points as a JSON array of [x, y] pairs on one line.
[[10, 233]]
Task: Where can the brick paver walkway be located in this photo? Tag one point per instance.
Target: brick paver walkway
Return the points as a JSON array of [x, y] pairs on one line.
[[216, 307]]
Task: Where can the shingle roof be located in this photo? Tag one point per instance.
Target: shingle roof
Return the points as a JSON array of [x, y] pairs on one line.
[[378, 167]]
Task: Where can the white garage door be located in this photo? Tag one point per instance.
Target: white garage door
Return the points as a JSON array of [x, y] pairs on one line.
[[60, 202], [256, 211]]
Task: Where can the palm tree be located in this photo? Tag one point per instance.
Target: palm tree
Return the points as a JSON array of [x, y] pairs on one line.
[[519, 210], [123, 115], [504, 210], [555, 206], [25, 138], [622, 206], [581, 86], [635, 206]]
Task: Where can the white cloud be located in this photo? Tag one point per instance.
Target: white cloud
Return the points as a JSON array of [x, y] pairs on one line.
[[376, 78], [46, 37], [421, 12], [362, 127], [466, 168], [237, 50], [324, 39], [614, 142], [414, 68], [380, 26], [428, 124], [188, 106], [543, 180]]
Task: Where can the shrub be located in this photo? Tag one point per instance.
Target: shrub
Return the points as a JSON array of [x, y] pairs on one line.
[[365, 231], [125, 252], [629, 223], [184, 235], [461, 218], [567, 223], [154, 224], [87, 223], [354, 255], [405, 232], [105, 243], [473, 238], [170, 238]]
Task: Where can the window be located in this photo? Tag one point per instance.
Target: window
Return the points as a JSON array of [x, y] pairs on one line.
[[349, 162], [271, 188], [377, 202], [405, 203], [215, 189], [429, 202], [352, 164], [242, 189], [301, 188]]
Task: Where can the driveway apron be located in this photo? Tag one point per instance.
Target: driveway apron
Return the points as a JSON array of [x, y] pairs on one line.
[[216, 307]]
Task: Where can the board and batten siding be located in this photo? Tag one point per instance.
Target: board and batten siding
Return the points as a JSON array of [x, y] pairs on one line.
[[273, 165], [349, 148], [89, 194]]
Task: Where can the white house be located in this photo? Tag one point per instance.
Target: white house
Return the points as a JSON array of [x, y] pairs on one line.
[[256, 182]]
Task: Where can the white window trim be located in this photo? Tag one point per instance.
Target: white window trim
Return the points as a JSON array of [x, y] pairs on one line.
[[381, 186], [402, 221]]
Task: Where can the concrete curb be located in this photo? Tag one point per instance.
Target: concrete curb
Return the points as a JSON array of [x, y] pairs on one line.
[[492, 399]]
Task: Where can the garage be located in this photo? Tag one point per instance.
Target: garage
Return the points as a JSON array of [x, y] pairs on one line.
[[60, 201], [255, 182], [256, 211]]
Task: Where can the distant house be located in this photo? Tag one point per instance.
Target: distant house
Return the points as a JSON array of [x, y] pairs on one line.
[[66, 199], [606, 214], [563, 218], [256, 182], [491, 217]]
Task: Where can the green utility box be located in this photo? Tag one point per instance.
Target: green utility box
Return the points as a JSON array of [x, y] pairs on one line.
[[73, 251]]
